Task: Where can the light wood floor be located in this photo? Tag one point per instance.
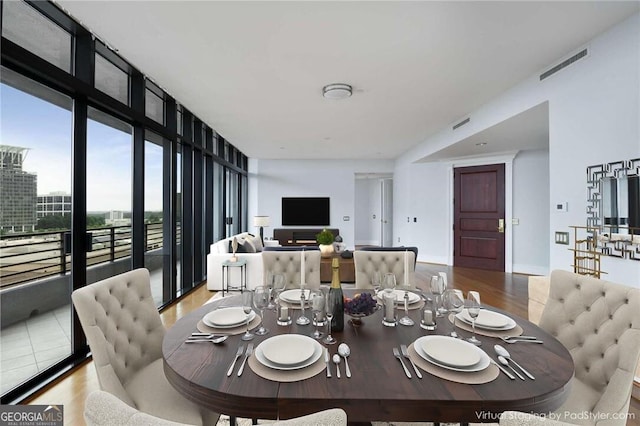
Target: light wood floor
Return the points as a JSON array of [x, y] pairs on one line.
[[505, 291]]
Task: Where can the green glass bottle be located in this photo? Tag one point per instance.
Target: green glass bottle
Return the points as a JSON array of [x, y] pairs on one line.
[[336, 299]]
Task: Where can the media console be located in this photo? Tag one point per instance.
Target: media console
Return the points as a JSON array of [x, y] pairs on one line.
[[299, 236]]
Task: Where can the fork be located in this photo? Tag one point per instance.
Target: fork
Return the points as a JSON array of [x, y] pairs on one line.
[[247, 354], [396, 353], [514, 340], [233, 364], [405, 353]]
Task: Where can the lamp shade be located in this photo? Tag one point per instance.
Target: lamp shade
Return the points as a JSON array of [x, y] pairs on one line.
[[261, 221]]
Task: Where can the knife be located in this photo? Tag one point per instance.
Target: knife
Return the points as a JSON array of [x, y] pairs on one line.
[[247, 354], [327, 361], [509, 375]]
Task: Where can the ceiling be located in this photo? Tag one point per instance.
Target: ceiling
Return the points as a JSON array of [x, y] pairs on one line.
[[254, 71]]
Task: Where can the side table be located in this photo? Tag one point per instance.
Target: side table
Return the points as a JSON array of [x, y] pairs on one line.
[[240, 263]]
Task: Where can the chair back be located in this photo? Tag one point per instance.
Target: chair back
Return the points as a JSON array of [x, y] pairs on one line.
[[599, 323], [288, 264], [103, 409], [122, 325], [367, 262]]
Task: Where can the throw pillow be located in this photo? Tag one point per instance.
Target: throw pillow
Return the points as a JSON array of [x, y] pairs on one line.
[[256, 242], [243, 247]]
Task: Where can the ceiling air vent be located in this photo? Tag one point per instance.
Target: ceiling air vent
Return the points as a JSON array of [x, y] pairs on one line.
[[564, 64], [462, 123]]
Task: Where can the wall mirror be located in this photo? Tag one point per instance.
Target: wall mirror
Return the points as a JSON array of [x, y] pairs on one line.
[[614, 195]]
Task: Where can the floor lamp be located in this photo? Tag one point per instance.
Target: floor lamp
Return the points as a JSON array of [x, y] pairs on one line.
[[261, 222]]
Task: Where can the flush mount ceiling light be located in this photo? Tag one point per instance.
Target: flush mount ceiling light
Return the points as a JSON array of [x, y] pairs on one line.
[[336, 91]]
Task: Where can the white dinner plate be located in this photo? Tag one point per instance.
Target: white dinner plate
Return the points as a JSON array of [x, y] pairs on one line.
[[317, 353], [413, 297], [293, 295], [230, 317], [288, 349], [484, 362], [450, 351], [488, 319]]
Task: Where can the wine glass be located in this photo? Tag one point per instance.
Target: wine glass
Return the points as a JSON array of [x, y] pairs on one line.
[[389, 282], [279, 285], [247, 306], [261, 301], [453, 300], [473, 308], [437, 288], [376, 281], [269, 284], [329, 303], [317, 307]]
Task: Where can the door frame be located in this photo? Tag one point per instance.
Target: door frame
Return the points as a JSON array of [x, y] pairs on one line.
[[507, 160]]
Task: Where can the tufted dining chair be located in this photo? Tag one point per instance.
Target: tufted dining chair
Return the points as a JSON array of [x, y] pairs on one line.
[[125, 333], [367, 262], [288, 264], [103, 409], [599, 323]]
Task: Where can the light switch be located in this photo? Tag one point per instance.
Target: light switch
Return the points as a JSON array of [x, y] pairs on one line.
[[515, 221]]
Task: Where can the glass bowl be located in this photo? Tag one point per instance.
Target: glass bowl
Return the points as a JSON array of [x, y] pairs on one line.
[[356, 318]]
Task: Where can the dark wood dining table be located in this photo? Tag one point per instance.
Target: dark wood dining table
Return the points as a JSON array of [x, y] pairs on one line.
[[378, 389]]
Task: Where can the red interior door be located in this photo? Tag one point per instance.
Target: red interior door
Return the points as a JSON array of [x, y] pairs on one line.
[[479, 217]]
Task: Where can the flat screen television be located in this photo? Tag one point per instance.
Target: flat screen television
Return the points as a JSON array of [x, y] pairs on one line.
[[305, 211]]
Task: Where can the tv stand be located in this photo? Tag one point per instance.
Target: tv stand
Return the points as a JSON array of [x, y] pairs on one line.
[[299, 236]]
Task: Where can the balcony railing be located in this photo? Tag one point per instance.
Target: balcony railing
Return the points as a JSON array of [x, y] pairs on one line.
[[28, 257]]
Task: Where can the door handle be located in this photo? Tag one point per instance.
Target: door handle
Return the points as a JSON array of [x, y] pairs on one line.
[[501, 225]]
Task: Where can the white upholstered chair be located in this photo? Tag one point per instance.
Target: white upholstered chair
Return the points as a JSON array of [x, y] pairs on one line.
[[103, 409], [125, 333], [599, 323], [288, 263], [516, 418], [367, 262]]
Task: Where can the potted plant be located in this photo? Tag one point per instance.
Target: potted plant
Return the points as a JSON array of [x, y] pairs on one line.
[[325, 242]]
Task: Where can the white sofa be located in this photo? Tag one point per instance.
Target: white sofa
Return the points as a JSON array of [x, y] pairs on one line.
[[219, 252]]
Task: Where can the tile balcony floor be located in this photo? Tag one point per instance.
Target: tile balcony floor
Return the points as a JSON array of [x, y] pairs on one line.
[[31, 346]]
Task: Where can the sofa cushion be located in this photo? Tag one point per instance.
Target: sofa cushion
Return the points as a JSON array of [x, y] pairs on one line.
[[255, 242]]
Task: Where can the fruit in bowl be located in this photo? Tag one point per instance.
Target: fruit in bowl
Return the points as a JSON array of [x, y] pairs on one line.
[[362, 304]]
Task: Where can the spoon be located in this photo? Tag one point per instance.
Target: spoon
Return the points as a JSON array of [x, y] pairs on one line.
[[215, 340], [344, 351], [504, 362], [336, 361], [505, 353]]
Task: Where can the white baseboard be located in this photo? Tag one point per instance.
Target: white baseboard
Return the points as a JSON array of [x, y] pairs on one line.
[[530, 269], [367, 243], [440, 260]]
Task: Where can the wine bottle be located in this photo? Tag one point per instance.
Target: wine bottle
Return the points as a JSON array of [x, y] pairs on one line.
[[336, 298]]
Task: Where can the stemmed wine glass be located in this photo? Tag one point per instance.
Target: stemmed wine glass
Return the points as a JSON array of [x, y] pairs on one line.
[[437, 288], [247, 306], [317, 307], [261, 301], [473, 307], [329, 303], [389, 282], [269, 285], [376, 281], [453, 300]]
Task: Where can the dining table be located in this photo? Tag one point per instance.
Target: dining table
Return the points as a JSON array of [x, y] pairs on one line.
[[378, 389]]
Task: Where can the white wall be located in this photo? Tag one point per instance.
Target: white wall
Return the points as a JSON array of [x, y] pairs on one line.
[[594, 110], [274, 179], [530, 198]]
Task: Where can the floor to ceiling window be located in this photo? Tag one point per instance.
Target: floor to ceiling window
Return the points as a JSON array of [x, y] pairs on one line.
[[79, 123], [35, 181]]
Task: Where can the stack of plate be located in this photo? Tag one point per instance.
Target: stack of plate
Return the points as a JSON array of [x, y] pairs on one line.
[[228, 317], [293, 295], [413, 297], [489, 320], [451, 353], [288, 352]]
